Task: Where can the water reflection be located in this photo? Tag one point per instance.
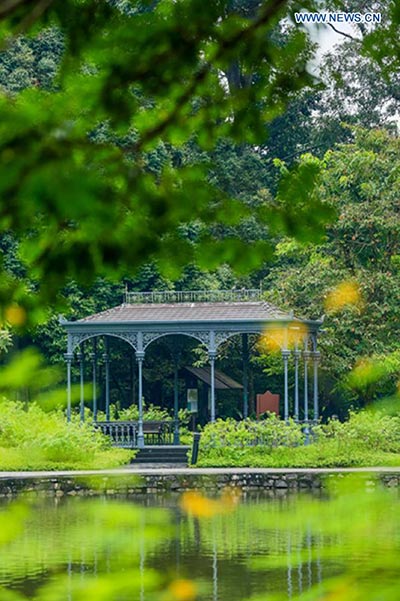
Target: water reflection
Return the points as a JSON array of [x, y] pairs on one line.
[[105, 549]]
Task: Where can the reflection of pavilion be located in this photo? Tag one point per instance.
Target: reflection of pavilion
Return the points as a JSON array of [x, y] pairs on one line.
[[211, 318], [237, 558]]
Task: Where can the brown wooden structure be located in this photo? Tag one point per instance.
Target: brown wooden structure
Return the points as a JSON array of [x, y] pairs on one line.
[[267, 402]]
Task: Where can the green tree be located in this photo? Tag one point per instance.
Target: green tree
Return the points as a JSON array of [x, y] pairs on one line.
[[362, 181], [153, 77], [31, 62], [360, 76]]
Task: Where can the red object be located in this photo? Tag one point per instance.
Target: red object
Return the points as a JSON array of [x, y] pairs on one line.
[[267, 402]]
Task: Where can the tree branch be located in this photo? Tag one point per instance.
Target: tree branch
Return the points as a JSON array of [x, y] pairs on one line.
[[343, 33], [9, 6], [38, 9], [265, 15]]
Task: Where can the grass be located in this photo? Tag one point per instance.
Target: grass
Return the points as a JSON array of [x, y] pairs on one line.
[[13, 460], [327, 454], [32, 439]]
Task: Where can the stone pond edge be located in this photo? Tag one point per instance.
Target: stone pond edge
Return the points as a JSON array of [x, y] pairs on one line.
[[129, 482]]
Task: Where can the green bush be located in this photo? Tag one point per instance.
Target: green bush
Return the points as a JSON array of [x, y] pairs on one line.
[[366, 440], [33, 439], [150, 413], [271, 433], [372, 430]]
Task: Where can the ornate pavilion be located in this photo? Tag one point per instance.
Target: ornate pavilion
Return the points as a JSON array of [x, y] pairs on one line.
[[211, 318]]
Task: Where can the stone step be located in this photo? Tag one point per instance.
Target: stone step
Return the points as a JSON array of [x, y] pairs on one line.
[[165, 449], [152, 453], [159, 462], [162, 455]]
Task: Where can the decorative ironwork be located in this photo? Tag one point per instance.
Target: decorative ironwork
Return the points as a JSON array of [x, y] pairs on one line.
[[149, 337], [201, 336], [129, 337], [193, 296], [221, 337], [124, 434], [78, 339], [75, 340]]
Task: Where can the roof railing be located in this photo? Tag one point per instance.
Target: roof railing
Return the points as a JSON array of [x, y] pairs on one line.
[[193, 296]]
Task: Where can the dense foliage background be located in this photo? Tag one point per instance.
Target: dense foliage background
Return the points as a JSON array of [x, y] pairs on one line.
[[167, 145]]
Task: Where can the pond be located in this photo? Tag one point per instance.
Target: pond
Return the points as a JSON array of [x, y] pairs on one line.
[[330, 546]]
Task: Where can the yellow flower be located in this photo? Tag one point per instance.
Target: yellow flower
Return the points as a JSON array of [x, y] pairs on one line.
[[284, 337], [15, 315], [344, 295], [182, 590], [200, 506]]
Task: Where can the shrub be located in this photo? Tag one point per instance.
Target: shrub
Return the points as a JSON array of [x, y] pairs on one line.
[[33, 439], [367, 439], [269, 433], [371, 430], [150, 413]]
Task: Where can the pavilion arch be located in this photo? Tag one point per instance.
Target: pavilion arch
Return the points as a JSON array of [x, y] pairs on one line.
[[75, 340], [211, 318], [225, 336], [157, 336], [307, 339]]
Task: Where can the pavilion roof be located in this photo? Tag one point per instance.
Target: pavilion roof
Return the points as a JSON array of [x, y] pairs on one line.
[[192, 311], [221, 380]]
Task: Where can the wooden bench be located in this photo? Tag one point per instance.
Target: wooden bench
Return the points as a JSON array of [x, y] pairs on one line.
[[158, 432]]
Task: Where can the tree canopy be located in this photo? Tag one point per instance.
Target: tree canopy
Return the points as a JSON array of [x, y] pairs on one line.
[[99, 99], [353, 276], [149, 77], [186, 144]]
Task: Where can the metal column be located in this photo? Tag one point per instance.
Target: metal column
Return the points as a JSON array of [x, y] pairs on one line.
[[176, 402], [106, 358], [297, 355], [245, 355], [212, 355], [315, 357], [68, 358], [94, 378], [285, 356], [140, 358], [82, 384], [306, 356]]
